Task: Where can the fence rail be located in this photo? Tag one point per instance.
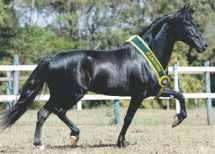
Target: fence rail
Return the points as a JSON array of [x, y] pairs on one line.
[[171, 70], [5, 98], [192, 70], [176, 70], [181, 69]]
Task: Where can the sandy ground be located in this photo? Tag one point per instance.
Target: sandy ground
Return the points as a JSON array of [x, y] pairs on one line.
[[149, 133]]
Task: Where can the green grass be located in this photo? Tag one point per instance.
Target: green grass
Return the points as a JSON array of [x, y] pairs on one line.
[[150, 132]]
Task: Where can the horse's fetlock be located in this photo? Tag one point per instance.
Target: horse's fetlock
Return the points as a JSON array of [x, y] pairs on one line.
[[37, 142], [183, 114], [75, 132]]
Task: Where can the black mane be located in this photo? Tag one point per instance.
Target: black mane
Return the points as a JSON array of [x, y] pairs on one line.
[[184, 12], [155, 25]]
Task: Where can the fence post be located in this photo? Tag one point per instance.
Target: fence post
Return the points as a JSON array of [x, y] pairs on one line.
[[176, 85], [116, 109], [79, 105], [167, 104], [8, 89], [15, 76], [208, 90]]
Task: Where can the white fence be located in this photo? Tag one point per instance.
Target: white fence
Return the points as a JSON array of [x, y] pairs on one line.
[[7, 98], [174, 70]]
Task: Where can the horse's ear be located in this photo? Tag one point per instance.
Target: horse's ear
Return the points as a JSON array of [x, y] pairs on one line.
[[186, 10], [186, 7], [183, 8], [180, 12]]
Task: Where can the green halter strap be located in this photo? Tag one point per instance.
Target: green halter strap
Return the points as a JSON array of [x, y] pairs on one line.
[[152, 60]]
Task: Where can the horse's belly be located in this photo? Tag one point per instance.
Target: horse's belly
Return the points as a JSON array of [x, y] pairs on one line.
[[115, 87], [111, 92]]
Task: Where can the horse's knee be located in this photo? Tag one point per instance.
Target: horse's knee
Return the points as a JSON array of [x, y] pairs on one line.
[[42, 115], [183, 114], [180, 97]]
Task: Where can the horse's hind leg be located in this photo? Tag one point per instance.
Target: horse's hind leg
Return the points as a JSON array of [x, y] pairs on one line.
[[42, 115], [61, 111], [74, 135]]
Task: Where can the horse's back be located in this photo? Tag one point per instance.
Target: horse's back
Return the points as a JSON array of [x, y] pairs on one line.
[[97, 71]]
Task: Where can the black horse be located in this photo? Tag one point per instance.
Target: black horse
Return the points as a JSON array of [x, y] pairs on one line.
[[119, 72]]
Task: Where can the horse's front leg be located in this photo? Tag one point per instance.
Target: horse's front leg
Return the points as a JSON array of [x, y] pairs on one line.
[[179, 117], [133, 106]]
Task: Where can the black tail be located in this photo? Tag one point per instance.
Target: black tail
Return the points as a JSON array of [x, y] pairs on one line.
[[31, 88]]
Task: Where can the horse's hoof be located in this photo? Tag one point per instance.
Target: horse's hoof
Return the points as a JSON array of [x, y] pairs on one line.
[[176, 121], [73, 141], [40, 147], [122, 143]]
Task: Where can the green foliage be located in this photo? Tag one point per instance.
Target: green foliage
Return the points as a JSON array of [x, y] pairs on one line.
[[7, 29], [4, 14], [32, 43]]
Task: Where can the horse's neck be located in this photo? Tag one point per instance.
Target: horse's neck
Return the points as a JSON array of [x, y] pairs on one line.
[[161, 44]]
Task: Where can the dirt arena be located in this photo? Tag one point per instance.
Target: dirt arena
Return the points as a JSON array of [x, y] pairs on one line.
[[150, 132]]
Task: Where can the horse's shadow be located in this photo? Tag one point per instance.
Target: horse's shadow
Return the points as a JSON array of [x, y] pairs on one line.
[[84, 146], [63, 147]]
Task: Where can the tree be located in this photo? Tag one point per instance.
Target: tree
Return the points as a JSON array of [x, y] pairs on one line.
[[7, 28]]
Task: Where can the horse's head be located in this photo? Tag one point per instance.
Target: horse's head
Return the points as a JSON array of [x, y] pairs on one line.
[[185, 30]]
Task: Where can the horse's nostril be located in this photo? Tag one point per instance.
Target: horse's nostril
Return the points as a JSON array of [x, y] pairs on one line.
[[205, 46]]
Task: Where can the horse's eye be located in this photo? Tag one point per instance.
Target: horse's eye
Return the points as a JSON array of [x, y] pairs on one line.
[[187, 23]]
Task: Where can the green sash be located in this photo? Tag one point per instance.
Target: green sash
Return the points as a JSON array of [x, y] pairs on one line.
[[144, 49]]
